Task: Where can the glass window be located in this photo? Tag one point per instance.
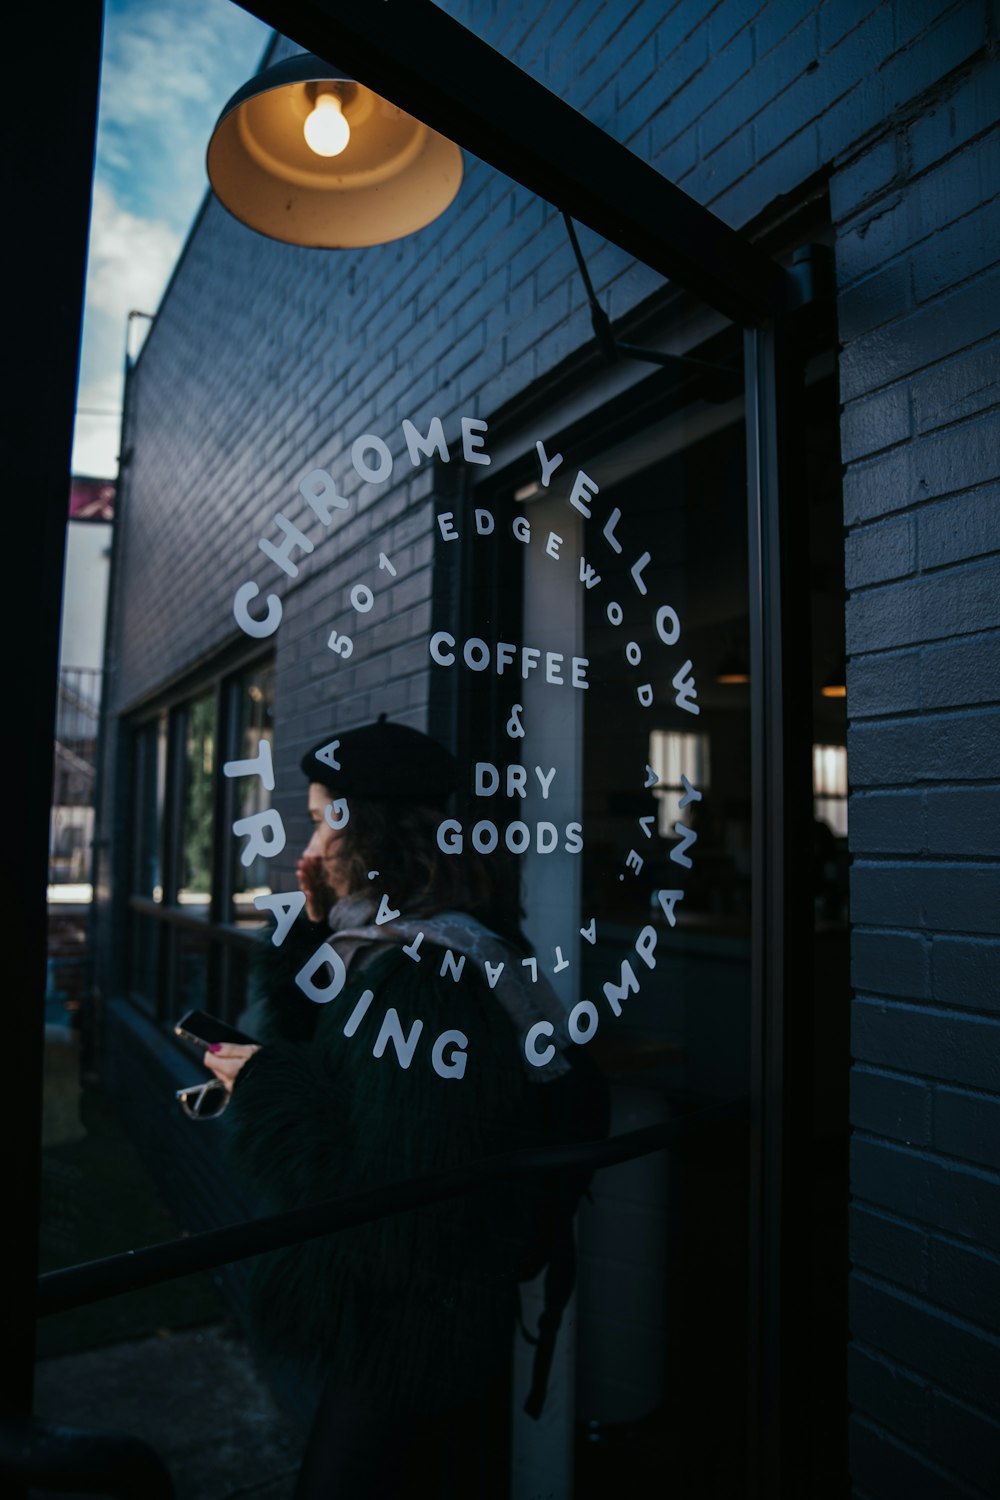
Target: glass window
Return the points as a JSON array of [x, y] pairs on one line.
[[251, 701], [149, 779], [194, 883]]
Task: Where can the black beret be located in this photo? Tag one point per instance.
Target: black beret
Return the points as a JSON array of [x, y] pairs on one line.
[[384, 762]]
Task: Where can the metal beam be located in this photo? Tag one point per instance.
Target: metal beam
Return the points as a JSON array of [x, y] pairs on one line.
[[427, 63]]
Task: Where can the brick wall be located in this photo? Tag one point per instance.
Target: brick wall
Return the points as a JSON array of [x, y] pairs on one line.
[[266, 361], [917, 248]]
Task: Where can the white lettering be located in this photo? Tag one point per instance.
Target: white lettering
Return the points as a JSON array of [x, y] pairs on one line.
[[545, 779], [583, 1022], [637, 569], [265, 835], [686, 690], [645, 946], [628, 985], [687, 837], [455, 1067], [449, 837], [538, 1057], [373, 473], [549, 465], [668, 626], [337, 814], [359, 1012], [422, 447], [583, 492], [690, 795], [260, 766], [282, 555], [472, 441], [451, 965], [668, 901], [392, 1031], [304, 978], [284, 906], [258, 629], [439, 639], [320, 494]]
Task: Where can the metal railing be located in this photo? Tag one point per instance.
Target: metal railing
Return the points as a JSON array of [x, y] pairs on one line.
[[91, 1282]]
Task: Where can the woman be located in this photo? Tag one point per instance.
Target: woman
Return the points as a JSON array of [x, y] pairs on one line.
[[407, 1322]]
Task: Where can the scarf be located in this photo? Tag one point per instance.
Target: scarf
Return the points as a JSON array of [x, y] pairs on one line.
[[526, 1001]]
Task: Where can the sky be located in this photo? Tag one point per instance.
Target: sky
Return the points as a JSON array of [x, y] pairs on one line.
[[168, 67]]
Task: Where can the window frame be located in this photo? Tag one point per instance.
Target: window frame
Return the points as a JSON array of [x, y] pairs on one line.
[[228, 941]]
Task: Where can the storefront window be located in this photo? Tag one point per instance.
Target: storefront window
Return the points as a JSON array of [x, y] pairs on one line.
[[194, 885], [251, 708], [537, 562]]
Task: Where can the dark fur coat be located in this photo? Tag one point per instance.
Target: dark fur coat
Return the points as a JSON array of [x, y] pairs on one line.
[[416, 1310]]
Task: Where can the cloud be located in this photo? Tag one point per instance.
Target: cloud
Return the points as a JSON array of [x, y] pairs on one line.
[[167, 69], [130, 258]]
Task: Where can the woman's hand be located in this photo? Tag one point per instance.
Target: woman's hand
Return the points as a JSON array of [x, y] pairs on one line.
[[311, 875], [225, 1060]]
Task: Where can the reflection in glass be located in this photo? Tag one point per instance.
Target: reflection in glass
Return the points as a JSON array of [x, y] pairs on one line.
[[149, 777], [194, 886], [191, 951], [252, 709]]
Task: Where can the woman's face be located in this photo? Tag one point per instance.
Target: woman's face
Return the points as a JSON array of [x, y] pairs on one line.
[[324, 842]]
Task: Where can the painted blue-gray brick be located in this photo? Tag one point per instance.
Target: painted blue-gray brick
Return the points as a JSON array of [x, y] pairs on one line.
[[924, 609], [894, 1397], [957, 673], [887, 823], [898, 1108], [883, 1468], [967, 108], [967, 1125], [869, 302], [866, 176], [960, 387], [895, 351], [966, 971], [957, 37], [875, 422], [963, 527], [889, 1247], [885, 550], [966, 1441], [884, 684], [941, 897], [891, 963], [964, 821], [965, 1279], [946, 1349], [955, 459], [961, 746], [962, 249], [926, 1042]]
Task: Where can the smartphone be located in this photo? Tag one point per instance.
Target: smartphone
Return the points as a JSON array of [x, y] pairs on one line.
[[203, 1030]]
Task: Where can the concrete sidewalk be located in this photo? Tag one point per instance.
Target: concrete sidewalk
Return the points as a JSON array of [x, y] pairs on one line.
[[194, 1397]]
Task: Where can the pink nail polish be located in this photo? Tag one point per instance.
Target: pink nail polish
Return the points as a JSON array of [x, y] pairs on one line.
[[215, 1047]]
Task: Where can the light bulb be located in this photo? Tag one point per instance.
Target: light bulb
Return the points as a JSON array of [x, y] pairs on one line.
[[326, 130]]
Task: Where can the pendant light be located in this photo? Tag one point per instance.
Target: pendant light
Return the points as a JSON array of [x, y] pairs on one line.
[[305, 155]]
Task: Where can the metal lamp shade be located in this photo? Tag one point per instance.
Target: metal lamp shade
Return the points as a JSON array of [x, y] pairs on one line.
[[395, 175]]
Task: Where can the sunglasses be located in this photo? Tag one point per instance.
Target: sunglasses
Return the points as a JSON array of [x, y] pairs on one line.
[[203, 1101]]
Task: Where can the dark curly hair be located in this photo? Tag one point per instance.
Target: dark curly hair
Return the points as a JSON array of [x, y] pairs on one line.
[[399, 840]]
